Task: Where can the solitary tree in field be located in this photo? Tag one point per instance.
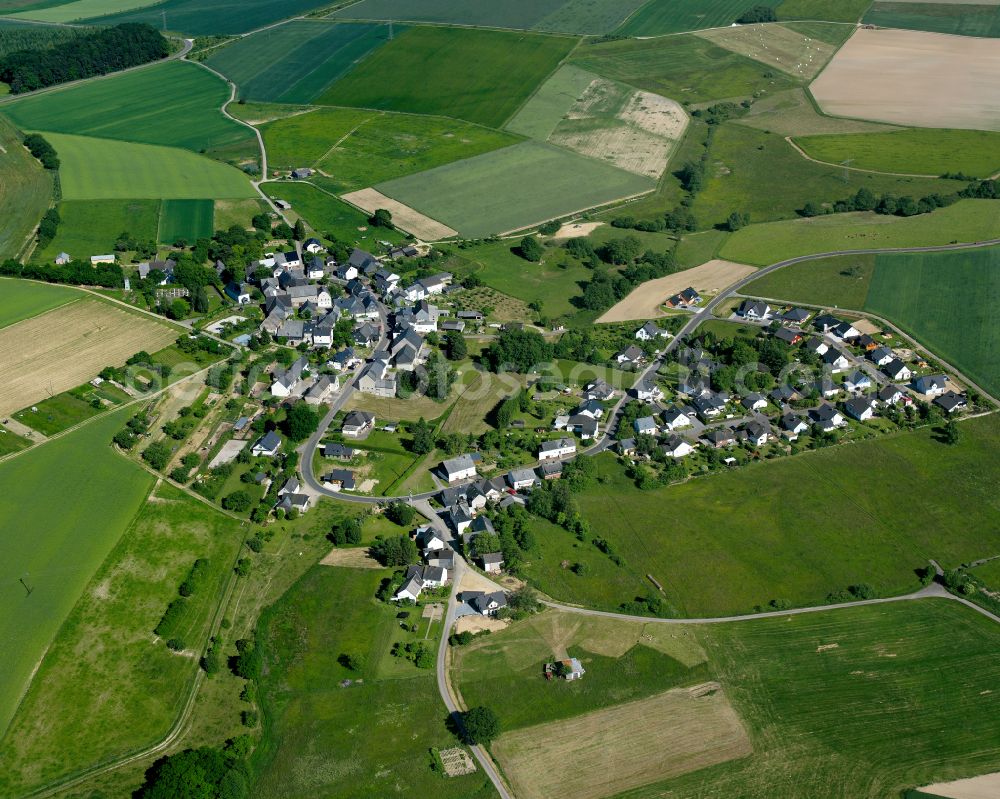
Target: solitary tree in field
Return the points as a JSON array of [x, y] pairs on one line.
[[381, 218], [530, 249], [481, 725], [951, 433]]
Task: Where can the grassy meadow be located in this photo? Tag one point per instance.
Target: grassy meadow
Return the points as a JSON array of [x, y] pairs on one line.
[[106, 169], [528, 183], [25, 192], [476, 75], [68, 720], [768, 243], [174, 104], [839, 281], [208, 17], [921, 151], [559, 16], [20, 299], [295, 62], [684, 68], [187, 220], [90, 227], [821, 523], [64, 506], [313, 742], [792, 113], [660, 17], [965, 19], [80, 9]]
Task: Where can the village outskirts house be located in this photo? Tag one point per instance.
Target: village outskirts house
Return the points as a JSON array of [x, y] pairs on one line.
[[559, 448], [461, 468]]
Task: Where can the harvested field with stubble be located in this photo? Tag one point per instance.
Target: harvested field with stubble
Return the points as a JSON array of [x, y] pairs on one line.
[[403, 216], [63, 348], [350, 558], [914, 78], [645, 300], [599, 754], [776, 46]]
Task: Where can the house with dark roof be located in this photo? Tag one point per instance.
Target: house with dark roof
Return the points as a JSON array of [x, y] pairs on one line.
[[951, 401], [461, 468], [789, 335], [827, 418], [483, 603], [860, 408], [358, 424], [267, 446], [931, 385], [754, 310], [340, 480], [897, 371]]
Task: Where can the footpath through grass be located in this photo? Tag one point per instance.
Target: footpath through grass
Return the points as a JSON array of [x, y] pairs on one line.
[[370, 738], [69, 720], [63, 507], [794, 529]]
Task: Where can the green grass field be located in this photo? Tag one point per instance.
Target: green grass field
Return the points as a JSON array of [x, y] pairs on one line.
[[829, 10], [25, 192], [659, 17], [476, 75], [947, 301], [327, 214], [20, 299], [68, 720], [187, 220], [792, 113], [823, 523], [206, 17], [966, 19], [684, 68], [175, 104], [559, 16], [539, 117], [57, 532], [528, 183], [967, 220], [294, 63], [313, 744], [106, 169], [823, 722], [359, 148], [89, 227], [760, 173], [838, 281], [81, 9], [237, 212], [919, 151]]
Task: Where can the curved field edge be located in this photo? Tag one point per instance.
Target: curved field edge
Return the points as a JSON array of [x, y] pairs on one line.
[[25, 192]]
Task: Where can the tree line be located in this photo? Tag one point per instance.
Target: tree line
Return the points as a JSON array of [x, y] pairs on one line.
[[76, 273], [27, 36], [96, 53]]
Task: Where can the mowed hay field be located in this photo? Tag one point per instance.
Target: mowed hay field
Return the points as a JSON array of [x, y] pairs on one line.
[[186, 220], [175, 104], [599, 754], [62, 348], [775, 45], [914, 78], [295, 62], [513, 188], [25, 192], [68, 719], [21, 299], [64, 506], [828, 697], [477, 75], [976, 18], [561, 16], [91, 227], [792, 113], [947, 301], [915, 151], [404, 217], [103, 169], [824, 524]]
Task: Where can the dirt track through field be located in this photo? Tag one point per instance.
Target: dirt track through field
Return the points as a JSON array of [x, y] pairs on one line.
[[644, 301], [914, 78], [600, 754], [423, 227], [61, 349]]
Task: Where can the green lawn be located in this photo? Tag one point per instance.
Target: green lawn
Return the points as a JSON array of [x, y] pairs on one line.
[[80, 9], [947, 301], [826, 722], [68, 720], [561, 16], [685, 68], [21, 300], [528, 183], [25, 192], [966, 19], [838, 281], [314, 744], [104, 169], [175, 104], [327, 214], [359, 148], [621, 666], [761, 174], [965, 221], [919, 151], [90, 227], [55, 414], [187, 220], [295, 62], [64, 506], [822, 522], [477, 75]]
